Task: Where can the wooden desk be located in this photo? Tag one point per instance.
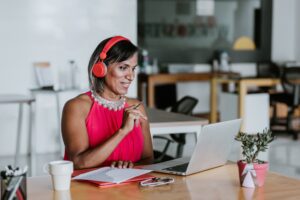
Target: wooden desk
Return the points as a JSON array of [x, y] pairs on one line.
[[163, 122], [218, 183], [242, 85], [152, 80]]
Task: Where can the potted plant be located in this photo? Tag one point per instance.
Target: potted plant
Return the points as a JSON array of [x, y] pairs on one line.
[[252, 171]]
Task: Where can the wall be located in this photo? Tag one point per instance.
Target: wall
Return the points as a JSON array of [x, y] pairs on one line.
[[284, 35], [55, 31], [297, 46]]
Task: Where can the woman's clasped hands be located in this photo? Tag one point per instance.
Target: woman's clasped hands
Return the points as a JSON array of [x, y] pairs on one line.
[[131, 117]]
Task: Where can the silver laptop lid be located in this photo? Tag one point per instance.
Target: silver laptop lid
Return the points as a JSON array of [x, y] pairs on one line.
[[213, 145]]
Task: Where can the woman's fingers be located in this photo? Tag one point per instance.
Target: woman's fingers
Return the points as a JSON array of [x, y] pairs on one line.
[[122, 164], [132, 117], [136, 122], [135, 117], [139, 113], [135, 106], [125, 164], [130, 165], [134, 109], [113, 164]]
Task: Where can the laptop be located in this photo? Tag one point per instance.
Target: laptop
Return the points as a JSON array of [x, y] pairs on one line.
[[212, 149]]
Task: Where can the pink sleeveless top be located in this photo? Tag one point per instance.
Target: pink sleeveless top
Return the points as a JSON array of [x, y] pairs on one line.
[[102, 123]]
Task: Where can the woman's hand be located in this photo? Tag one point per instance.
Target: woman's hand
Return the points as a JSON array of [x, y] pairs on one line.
[[122, 164], [131, 117]]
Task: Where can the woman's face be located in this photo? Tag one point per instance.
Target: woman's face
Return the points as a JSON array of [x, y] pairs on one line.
[[119, 77]]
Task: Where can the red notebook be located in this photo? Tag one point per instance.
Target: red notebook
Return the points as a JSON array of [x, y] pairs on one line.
[[108, 184]]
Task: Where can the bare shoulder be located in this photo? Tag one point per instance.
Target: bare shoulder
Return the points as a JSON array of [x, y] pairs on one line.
[[78, 105]]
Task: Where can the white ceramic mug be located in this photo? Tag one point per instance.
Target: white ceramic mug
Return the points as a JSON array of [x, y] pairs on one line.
[[62, 195], [60, 172]]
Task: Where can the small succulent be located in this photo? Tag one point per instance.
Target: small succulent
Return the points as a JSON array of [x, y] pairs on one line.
[[252, 144]]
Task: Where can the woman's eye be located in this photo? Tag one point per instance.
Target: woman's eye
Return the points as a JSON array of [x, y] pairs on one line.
[[134, 68], [122, 68]]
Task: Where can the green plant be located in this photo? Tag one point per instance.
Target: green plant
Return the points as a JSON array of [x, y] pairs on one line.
[[252, 144]]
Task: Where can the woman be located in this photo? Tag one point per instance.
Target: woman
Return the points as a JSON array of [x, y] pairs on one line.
[[103, 127]]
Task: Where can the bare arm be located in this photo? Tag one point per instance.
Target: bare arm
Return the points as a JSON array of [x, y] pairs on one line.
[[147, 156]]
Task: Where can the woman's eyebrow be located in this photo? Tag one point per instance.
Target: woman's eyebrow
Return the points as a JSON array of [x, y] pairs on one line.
[[130, 65]]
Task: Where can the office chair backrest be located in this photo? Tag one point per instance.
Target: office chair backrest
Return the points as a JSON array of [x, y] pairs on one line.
[[185, 105], [291, 81], [267, 70]]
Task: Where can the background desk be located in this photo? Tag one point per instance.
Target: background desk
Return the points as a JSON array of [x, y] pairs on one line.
[[21, 100], [218, 183], [242, 85], [152, 80], [163, 122], [59, 103]]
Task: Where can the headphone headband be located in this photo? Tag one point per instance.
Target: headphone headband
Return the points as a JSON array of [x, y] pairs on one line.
[[109, 44], [99, 69]]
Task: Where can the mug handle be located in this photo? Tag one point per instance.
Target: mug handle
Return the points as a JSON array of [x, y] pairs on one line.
[[46, 168]]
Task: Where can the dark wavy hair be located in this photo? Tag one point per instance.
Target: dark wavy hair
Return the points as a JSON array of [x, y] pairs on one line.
[[121, 51]]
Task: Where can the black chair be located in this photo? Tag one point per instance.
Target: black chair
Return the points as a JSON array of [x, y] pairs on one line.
[[267, 69], [185, 106], [290, 81]]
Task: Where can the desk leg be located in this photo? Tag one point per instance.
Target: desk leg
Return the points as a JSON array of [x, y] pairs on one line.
[[19, 129], [213, 100], [32, 141], [61, 143], [242, 97], [150, 94]]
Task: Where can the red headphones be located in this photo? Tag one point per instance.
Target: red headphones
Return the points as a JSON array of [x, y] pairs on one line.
[[99, 69]]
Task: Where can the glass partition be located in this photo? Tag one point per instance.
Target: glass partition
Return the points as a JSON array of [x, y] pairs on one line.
[[193, 30]]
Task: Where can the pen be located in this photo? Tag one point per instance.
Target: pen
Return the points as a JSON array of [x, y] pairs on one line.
[[15, 187], [136, 106]]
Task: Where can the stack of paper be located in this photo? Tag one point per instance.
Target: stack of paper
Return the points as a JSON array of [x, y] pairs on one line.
[[108, 176]]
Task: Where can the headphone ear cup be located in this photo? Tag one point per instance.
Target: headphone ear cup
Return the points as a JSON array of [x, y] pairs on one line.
[[99, 69]]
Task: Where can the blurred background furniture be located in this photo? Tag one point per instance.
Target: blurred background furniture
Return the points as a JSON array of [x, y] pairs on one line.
[[268, 69], [60, 99], [151, 80], [290, 82], [163, 122], [21, 100], [184, 106], [243, 85], [51, 91], [44, 75]]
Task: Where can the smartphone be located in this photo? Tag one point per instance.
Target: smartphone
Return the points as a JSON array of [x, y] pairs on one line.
[[157, 181]]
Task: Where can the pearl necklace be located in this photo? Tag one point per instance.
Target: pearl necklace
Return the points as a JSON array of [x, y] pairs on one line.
[[111, 105]]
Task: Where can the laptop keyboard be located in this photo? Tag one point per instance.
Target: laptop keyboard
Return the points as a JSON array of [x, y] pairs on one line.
[[178, 168]]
